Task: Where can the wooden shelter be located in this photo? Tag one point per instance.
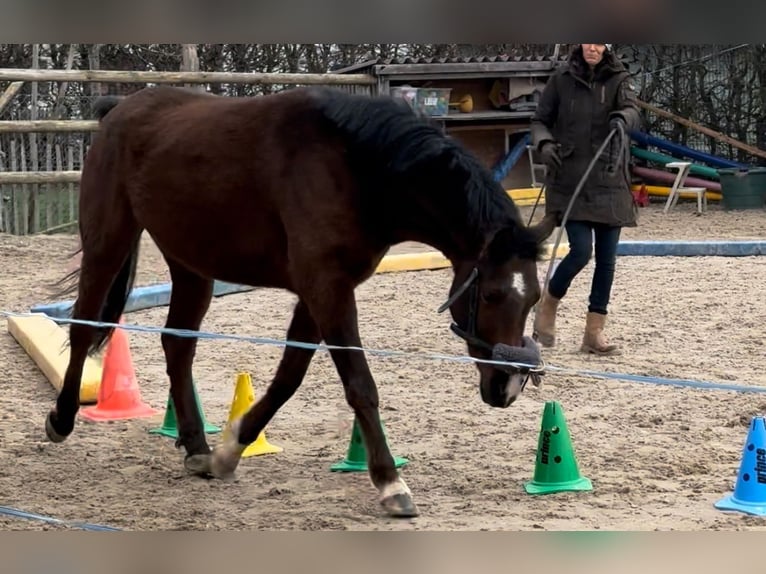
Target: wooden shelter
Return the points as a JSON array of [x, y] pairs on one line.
[[491, 101]]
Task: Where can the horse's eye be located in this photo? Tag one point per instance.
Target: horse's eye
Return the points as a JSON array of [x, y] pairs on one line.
[[494, 295]]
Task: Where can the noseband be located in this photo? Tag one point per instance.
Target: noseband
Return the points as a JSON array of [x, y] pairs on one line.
[[469, 333]]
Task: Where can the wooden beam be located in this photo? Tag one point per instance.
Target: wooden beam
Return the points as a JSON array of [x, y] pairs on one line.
[[64, 85], [481, 127], [482, 68], [190, 61], [8, 95], [702, 129], [438, 76], [26, 126], [128, 76], [40, 176], [189, 58]]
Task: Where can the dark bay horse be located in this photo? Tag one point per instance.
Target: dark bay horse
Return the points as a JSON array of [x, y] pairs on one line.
[[304, 190]]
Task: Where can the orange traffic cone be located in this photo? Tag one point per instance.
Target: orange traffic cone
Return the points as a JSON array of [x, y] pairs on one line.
[[118, 395]]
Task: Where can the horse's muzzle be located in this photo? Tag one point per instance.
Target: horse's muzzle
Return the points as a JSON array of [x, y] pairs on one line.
[[503, 385], [526, 358]]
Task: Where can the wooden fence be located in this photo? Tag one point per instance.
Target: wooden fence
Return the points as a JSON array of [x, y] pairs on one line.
[[40, 160], [44, 199]]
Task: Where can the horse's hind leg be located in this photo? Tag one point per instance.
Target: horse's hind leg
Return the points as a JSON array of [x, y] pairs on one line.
[[189, 301], [106, 274], [290, 372]]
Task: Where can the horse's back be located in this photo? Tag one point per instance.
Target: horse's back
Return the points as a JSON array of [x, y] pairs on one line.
[[153, 100], [220, 179]]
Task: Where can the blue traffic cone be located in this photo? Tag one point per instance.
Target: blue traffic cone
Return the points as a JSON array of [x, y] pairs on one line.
[[749, 494]]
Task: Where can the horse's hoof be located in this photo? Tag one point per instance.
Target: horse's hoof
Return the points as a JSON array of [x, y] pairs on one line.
[[50, 430], [198, 464], [400, 506], [223, 464]]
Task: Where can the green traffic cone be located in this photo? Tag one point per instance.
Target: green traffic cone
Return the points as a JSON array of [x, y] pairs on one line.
[[356, 455], [556, 468], [170, 423]]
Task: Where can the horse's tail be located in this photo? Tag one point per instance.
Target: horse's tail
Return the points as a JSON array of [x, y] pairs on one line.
[[104, 104], [117, 297]]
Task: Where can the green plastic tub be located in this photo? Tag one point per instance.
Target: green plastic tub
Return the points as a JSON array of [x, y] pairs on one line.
[[743, 188]]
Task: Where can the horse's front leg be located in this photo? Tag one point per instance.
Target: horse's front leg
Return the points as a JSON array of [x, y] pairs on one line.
[[290, 373], [338, 322]]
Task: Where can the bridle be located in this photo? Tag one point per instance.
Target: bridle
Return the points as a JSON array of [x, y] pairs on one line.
[[469, 333]]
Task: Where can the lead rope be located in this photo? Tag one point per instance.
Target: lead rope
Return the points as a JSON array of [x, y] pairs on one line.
[[577, 191]]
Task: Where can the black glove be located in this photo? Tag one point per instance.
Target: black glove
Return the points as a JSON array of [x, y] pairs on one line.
[[549, 153]]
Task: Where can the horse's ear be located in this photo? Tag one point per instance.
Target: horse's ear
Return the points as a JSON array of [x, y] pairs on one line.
[[508, 242], [542, 230], [521, 241]]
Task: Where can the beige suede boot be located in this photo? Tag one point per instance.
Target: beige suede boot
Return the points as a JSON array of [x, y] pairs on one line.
[[544, 328], [593, 340]]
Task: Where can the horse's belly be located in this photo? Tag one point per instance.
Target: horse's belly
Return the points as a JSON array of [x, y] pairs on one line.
[[254, 255]]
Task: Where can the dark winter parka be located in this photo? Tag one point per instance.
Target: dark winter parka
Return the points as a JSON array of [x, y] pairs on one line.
[[574, 111]]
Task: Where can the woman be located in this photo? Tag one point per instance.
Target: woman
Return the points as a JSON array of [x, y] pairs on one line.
[[580, 105]]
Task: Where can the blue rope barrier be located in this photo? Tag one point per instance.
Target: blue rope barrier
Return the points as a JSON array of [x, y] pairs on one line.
[[710, 385], [16, 513]]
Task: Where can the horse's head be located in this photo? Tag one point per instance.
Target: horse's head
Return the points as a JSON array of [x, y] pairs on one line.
[[490, 300]]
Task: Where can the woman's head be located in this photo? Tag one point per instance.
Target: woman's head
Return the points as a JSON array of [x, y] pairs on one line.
[[593, 53]]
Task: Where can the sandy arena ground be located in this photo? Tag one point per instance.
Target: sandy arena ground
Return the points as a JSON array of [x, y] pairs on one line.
[[658, 456]]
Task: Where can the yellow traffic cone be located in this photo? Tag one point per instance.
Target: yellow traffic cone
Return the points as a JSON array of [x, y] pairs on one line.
[[244, 398]]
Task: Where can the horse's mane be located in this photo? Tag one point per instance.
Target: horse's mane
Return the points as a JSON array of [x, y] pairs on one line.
[[393, 136]]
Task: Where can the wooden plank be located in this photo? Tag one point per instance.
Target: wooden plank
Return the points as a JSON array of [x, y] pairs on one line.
[[702, 129], [47, 343], [5, 206], [16, 195], [51, 202], [8, 95], [26, 196], [156, 77], [34, 192], [493, 127], [464, 68], [70, 167], [485, 115], [189, 60], [23, 177], [438, 76], [64, 85], [26, 126]]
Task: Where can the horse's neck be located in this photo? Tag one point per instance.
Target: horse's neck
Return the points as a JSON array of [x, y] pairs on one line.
[[452, 237], [421, 211]]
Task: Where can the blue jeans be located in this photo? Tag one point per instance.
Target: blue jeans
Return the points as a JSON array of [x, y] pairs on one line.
[[581, 238]]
